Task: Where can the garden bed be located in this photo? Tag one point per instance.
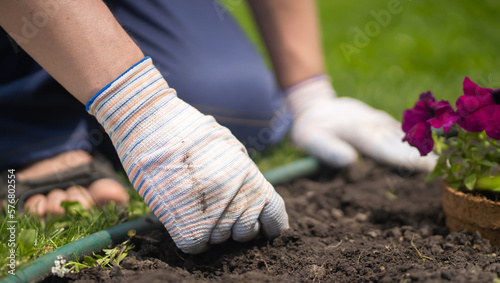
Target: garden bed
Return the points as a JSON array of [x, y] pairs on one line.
[[363, 224]]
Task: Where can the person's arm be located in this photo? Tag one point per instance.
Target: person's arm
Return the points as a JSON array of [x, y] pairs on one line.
[[291, 33], [330, 128], [78, 42], [166, 146]]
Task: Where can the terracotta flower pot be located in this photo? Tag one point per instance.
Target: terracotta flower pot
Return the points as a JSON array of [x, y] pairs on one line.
[[473, 213]]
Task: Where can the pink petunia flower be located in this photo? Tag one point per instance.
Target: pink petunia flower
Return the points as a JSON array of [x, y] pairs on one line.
[[427, 112], [479, 109]]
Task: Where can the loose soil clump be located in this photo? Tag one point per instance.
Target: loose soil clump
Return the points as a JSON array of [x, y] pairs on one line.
[[367, 223]]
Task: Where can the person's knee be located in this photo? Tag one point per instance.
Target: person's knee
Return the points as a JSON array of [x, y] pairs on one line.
[[247, 102], [260, 138]]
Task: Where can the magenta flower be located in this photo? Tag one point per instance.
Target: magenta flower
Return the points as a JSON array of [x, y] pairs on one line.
[[479, 109], [417, 122]]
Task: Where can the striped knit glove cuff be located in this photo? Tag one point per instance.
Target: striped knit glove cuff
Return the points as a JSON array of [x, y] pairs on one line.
[[335, 129], [193, 173]]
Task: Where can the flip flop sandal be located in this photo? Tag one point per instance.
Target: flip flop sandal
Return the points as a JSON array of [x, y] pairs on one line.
[[85, 174]]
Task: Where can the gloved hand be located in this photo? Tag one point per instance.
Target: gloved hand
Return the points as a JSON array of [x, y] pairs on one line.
[[336, 129], [193, 173]]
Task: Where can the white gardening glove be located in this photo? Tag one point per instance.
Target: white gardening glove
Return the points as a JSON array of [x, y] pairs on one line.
[[336, 129], [193, 173]]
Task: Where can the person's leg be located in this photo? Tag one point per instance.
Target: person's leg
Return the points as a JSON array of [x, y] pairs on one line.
[[208, 59], [44, 129], [196, 50], [39, 118]]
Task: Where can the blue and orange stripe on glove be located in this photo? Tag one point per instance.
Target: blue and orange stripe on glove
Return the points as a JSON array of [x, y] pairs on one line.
[[193, 173]]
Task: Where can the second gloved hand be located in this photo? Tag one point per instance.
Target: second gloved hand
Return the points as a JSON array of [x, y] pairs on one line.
[[193, 173], [336, 129]]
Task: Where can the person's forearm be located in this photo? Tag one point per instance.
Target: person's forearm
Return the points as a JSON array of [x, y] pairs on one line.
[[291, 32], [78, 42]]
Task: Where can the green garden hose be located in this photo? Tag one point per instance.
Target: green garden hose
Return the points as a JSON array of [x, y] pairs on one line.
[[297, 169], [41, 267]]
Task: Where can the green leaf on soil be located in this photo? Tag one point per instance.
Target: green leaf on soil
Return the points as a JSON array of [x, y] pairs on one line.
[[89, 261], [390, 196]]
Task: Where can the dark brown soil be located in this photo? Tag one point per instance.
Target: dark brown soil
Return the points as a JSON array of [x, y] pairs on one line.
[[364, 224]]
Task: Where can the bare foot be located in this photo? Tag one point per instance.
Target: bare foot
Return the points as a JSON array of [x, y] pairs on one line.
[[99, 192]]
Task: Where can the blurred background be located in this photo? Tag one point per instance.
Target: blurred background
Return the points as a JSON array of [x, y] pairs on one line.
[[424, 45]]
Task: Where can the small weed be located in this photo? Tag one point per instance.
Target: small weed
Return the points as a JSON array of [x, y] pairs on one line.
[[109, 259], [423, 257]]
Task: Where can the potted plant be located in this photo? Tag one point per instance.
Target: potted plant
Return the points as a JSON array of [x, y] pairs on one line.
[[466, 142]]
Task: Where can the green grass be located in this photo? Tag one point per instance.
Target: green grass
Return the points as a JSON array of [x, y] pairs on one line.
[[277, 155], [38, 236], [429, 45]]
